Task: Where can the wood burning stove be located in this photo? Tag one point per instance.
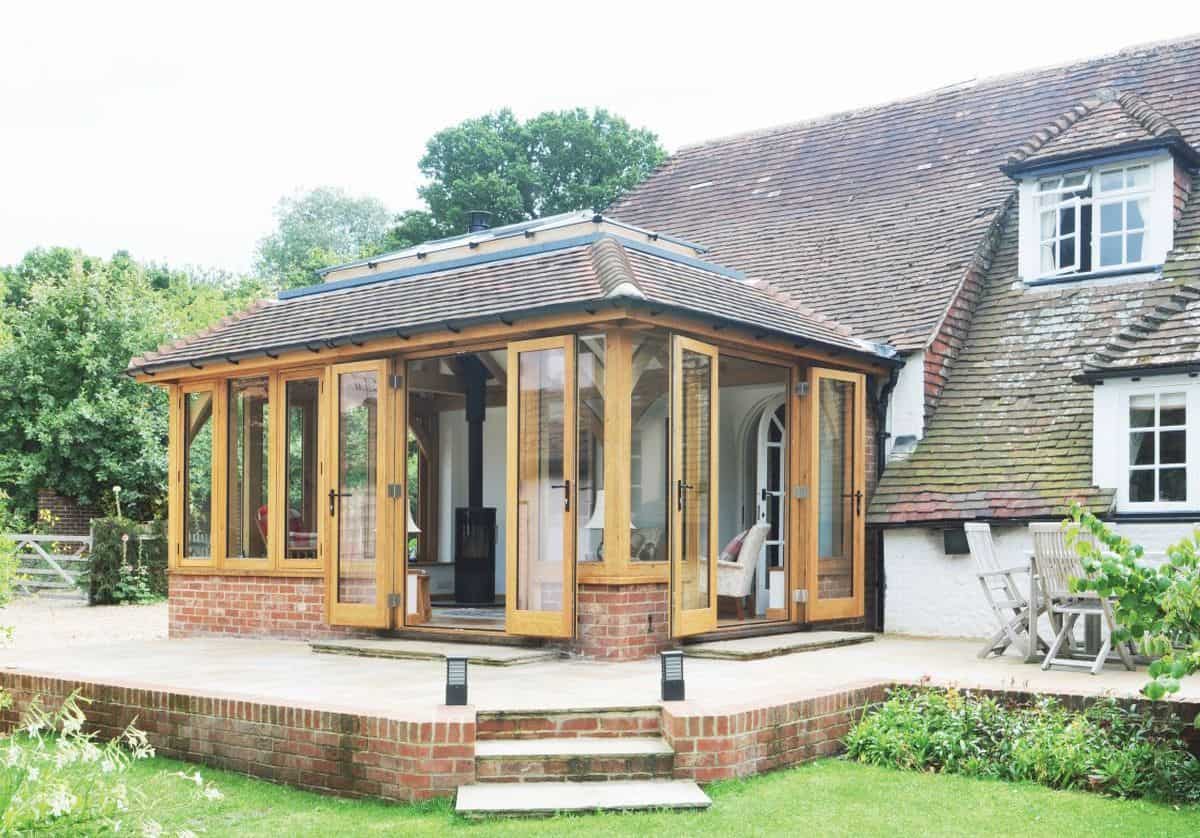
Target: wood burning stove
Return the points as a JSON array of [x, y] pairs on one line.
[[475, 555]]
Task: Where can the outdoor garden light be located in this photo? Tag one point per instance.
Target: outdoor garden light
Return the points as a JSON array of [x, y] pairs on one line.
[[456, 680], [672, 676]]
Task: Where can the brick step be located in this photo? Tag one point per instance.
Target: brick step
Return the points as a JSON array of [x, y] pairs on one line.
[[537, 799], [535, 724], [574, 758]]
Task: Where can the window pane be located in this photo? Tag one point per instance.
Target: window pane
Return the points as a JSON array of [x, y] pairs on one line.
[[1110, 218], [1110, 250], [1066, 221], [1141, 486], [1172, 409], [1048, 263], [1074, 181], [1141, 448], [1172, 484], [1047, 225], [835, 514], [1141, 412], [1137, 177], [1112, 180], [1135, 214], [650, 451], [357, 440], [695, 429], [1066, 252], [1133, 247], [590, 376], [303, 399], [1172, 446], [1049, 184], [249, 472], [197, 469]]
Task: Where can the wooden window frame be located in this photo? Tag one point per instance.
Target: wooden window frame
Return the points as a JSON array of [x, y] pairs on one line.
[[278, 522], [221, 484], [177, 455]]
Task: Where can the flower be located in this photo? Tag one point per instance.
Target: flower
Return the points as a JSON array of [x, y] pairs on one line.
[[213, 793]]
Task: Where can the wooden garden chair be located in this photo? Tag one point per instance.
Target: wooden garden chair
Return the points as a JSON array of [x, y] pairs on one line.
[[1058, 563], [1005, 597]]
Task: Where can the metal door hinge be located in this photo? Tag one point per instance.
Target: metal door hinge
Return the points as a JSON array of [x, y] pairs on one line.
[[395, 600], [800, 492], [801, 388], [800, 595], [395, 490], [396, 381]]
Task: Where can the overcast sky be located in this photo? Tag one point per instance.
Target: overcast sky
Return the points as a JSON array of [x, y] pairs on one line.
[[173, 134]]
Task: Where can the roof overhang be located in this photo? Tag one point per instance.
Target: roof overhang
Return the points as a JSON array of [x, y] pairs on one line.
[[1099, 376], [1183, 152]]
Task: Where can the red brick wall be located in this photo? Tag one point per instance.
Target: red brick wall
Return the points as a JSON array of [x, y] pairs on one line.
[[740, 744], [622, 622], [68, 515], [286, 607], [339, 753]]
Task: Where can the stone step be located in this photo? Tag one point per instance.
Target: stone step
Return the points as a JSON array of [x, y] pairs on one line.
[[602, 722], [531, 799], [769, 646], [395, 649], [573, 758]]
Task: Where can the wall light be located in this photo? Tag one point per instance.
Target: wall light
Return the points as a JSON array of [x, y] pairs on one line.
[[672, 676], [456, 680]]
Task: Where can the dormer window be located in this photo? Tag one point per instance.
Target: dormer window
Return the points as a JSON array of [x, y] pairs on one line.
[[1069, 205], [1112, 218]]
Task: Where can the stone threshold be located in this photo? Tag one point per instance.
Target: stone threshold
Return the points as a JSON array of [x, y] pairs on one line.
[[774, 645], [423, 650]]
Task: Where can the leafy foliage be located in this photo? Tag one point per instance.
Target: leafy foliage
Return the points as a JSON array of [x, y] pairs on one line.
[[128, 562], [70, 419], [318, 229], [1106, 748], [1157, 606], [555, 162]]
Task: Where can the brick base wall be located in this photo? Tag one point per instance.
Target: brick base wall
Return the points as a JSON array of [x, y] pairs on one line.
[[288, 608], [741, 744], [337, 753], [622, 622]]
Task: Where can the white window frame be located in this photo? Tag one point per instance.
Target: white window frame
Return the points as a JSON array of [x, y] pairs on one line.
[[1158, 218], [1111, 461]]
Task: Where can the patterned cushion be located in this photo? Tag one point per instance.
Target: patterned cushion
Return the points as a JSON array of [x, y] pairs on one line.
[[730, 553]]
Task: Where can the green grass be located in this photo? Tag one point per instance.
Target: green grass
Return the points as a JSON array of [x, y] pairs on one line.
[[830, 797]]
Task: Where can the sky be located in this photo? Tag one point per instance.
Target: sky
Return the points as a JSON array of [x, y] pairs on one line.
[[172, 131]]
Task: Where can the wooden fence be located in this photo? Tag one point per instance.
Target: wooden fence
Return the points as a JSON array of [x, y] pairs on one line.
[[50, 565]]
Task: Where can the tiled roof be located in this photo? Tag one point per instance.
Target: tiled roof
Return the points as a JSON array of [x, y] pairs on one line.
[[1105, 121], [1012, 435], [569, 274], [873, 217]]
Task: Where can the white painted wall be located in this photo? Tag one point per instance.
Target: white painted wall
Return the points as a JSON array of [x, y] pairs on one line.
[[452, 485], [906, 408], [931, 593], [740, 408]]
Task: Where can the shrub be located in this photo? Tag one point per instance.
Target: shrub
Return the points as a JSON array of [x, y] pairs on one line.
[[1157, 607], [56, 778], [1105, 748], [128, 562]]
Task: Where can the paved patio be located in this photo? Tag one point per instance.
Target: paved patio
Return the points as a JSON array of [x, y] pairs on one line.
[[289, 673]]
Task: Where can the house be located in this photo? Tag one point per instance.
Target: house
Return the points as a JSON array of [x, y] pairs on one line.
[[765, 389]]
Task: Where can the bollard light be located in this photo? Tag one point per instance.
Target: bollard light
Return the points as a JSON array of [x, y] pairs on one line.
[[672, 676], [456, 680]]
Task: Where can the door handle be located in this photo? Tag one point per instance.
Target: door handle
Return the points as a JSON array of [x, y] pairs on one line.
[[858, 499], [333, 496], [566, 487], [682, 487]]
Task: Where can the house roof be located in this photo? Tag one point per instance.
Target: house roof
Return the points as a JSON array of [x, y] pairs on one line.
[[568, 274], [874, 217], [1012, 434], [1103, 123]]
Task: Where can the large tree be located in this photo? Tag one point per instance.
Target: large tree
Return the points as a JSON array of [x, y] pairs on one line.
[[555, 162], [317, 229], [70, 419]]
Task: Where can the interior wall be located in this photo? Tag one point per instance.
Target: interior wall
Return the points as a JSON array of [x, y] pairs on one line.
[[452, 484], [740, 408]]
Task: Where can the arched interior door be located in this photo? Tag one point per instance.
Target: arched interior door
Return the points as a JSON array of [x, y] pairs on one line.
[[772, 494], [694, 467]]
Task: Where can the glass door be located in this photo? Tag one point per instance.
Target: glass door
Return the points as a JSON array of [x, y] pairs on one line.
[[359, 570], [694, 468], [540, 536], [835, 571]]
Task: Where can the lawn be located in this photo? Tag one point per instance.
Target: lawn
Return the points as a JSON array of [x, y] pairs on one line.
[[830, 797]]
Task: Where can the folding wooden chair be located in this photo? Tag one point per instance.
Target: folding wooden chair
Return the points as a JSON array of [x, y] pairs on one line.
[[1057, 565], [1005, 597]]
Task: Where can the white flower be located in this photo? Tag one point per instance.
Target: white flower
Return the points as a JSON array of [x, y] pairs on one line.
[[108, 766], [152, 829], [185, 833], [213, 793], [34, 773], [61, 802]]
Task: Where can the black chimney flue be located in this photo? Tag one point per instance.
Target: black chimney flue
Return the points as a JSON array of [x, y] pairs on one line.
[[477, 221]]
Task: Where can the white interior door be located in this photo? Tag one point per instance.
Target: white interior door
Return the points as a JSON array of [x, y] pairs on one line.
[[771, 494]]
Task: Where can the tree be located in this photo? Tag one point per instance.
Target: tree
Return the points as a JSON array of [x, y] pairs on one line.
[[555, 162], [70, 419], [317, 229]]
